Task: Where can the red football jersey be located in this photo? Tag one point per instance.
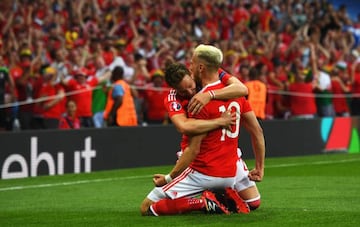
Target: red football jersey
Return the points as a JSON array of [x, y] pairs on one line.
[[153, 97], [218, 150], [82, 95], [48, 90], [340, 103], [175, 104], [302, 99]]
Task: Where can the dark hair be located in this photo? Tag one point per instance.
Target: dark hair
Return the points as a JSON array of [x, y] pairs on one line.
[[244, 66], [138, 57], [117, 73], [174, 74], [253, 73]]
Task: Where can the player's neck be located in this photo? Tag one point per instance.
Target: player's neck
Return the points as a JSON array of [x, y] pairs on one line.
[[209, 78]]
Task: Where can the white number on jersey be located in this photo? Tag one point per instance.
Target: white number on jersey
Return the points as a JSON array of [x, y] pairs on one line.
[[225, 132]]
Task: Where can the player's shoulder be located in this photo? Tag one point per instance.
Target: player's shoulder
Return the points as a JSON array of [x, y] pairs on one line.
[[213, 86]]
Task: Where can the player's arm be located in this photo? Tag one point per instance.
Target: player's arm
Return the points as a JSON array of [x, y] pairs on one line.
[[184, 161], [190, 126], [191, 151], [251, 124], [234, 89]]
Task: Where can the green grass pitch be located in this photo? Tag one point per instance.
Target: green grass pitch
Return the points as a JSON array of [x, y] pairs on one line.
[[318, 190]]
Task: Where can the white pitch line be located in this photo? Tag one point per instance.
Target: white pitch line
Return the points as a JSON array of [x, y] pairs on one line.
[[148, 176], [70, 183], [312, 163]]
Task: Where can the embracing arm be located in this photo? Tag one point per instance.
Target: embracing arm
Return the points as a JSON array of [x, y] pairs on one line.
[[234, 89], [190, 126], [190, 152], [251, 124]]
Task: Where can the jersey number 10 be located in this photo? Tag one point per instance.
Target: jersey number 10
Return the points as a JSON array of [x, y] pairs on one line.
[[225, 132]]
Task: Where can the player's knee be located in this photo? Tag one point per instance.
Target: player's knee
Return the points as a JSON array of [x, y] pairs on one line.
[[253, 205]]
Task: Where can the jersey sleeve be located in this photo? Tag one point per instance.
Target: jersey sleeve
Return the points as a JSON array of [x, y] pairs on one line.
[[173, 105], [223, 76]]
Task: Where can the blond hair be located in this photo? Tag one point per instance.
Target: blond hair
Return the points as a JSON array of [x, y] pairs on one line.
[[210, 55]]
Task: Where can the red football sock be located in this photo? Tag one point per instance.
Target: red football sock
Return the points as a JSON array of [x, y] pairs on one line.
[[177, 206], [254, 204]]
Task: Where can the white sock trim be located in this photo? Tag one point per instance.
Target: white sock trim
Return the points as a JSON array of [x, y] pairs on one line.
[[152, 210], [253, 199]]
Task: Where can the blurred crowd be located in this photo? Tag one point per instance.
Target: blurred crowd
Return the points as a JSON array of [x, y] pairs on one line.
[[57, 56]]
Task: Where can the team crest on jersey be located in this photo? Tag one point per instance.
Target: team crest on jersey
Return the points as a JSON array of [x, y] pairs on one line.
[[175, 106]]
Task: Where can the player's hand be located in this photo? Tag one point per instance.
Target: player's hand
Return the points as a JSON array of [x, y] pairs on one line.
[[159, 180], [198, 101], [229, 118], [256, 175]]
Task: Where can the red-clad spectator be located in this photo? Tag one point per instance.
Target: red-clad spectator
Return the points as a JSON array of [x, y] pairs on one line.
[[70, 120], [339, 89], [280, 104], [270, 102], [154, 94], [255, 7], [287, 35], [49, 105], [140, 78], [240, 14], [226, 23], [278, 77], [276, 82], [265, 17], [80, 88], [302, 98], [107, 53], [24, 86]]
